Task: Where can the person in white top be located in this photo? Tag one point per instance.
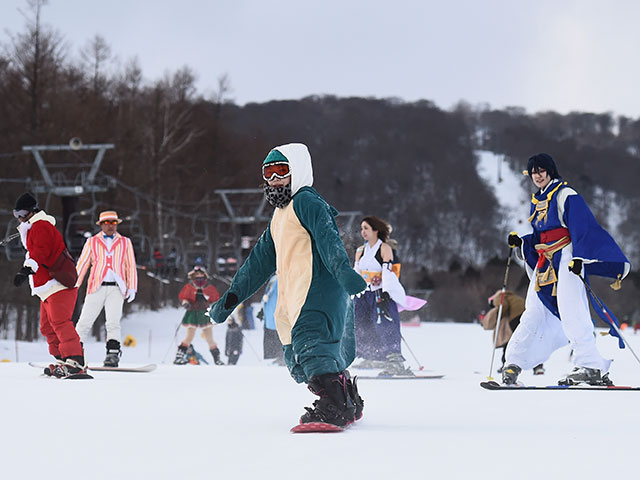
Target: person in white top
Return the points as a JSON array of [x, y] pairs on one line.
[[378, 338]]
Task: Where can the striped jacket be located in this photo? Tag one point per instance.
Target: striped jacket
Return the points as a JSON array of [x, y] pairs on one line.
[[120, 259]]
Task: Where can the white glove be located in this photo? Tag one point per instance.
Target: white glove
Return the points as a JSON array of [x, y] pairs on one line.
[[131, 294]]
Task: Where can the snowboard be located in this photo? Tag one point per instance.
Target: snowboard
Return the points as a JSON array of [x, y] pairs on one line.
[[316, 427], [399, 377], [496, 386], [77, 376], [142, 369]]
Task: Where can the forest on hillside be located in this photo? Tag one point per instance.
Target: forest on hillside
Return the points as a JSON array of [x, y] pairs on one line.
[[175, 150]]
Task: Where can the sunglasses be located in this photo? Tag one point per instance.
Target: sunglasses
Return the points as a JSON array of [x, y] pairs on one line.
[[20, 213], [277, 170], [109, 222]]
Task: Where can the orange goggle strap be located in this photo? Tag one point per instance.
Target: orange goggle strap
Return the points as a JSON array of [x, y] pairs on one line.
[[277, 169]]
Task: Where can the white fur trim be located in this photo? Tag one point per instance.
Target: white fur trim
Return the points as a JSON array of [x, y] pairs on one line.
[[42, 290], [30, 262]]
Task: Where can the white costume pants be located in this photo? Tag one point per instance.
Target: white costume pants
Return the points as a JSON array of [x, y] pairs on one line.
[[111, 299], [540, 333]]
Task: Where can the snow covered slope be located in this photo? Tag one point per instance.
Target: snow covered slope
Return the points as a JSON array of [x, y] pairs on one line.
[[207, 422], [513, 198]]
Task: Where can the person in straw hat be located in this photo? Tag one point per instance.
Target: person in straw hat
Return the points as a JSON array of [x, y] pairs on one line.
[[113, 278]]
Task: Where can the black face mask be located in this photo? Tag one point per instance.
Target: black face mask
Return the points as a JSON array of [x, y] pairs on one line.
[[278, 197]]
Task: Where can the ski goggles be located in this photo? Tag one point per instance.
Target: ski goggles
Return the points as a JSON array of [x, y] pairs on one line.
[[20, 213], [276, 169]]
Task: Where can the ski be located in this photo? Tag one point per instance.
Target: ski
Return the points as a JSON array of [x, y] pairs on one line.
[[400, 377], [142, 369], [496, 386], [316, 427]]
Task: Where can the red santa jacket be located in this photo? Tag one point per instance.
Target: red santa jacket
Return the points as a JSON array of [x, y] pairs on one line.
[[188, 294], [44, 245]]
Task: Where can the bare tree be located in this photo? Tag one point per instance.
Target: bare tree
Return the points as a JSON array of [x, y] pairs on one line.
[[169, 130], [37, 55], [94, 55]]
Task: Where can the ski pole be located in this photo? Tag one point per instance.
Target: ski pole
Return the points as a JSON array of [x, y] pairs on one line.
[[251, 346], [495, 333], [9, 238], [225, 280], [172, 341], [613, 324], [420, 366]]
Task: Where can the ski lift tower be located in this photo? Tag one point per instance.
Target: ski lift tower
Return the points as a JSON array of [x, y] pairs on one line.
[[70, 180], [237, 231]]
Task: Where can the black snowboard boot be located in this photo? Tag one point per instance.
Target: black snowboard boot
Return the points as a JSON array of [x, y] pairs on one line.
[[335, 405], [113, 353], [70, 366], [510, 374], [352, 389], [215, 353], [181, 355], [48, 371]]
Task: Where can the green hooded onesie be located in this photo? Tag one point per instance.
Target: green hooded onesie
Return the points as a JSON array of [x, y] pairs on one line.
[[314, 313]]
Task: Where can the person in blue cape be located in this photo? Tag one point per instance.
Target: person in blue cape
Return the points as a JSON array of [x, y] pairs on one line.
[[314, 311], [567, 243]]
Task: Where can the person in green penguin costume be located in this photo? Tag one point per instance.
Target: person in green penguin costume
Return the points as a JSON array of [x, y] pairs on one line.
[[314, 312]]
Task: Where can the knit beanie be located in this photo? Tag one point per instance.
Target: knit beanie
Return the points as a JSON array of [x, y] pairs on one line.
[[26, 201]]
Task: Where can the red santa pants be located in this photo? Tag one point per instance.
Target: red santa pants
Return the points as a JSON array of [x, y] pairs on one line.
[[56, 325]]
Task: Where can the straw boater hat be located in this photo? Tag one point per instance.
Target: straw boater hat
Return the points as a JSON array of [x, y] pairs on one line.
[[108, 215]]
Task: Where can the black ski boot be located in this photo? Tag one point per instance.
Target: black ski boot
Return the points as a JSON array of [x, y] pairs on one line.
[[335, 405], [215, 353], [113, 353], [352, 389], [181, 356], [510, 374]]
